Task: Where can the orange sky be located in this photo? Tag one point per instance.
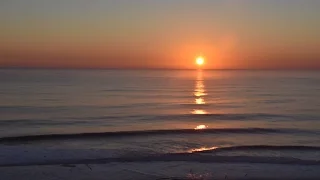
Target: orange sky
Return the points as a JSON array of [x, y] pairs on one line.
[[230, 34]]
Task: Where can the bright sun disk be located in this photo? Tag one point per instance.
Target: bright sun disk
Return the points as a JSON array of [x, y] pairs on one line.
[[200, 60]]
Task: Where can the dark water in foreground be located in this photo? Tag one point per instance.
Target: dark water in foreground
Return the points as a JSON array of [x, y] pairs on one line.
[[250, 116]]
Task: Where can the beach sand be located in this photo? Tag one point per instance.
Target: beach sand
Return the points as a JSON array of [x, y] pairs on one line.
[[160, 170]]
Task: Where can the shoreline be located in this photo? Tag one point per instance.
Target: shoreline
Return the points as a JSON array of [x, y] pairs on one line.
[[162, 170]]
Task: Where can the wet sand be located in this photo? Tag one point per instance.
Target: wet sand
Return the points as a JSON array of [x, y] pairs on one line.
[[161, 170]]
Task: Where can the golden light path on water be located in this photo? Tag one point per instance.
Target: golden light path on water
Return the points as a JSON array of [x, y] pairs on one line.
[[200, 101], [201, 127], [199, 111], [199, 93], [202, 149]]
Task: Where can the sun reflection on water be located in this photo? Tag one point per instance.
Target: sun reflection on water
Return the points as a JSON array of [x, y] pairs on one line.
[[199, 111], [201, 127], [199, 93], [202, 149], [200, 101]]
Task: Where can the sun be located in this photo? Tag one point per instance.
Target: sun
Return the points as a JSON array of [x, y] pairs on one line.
[[200, 61]]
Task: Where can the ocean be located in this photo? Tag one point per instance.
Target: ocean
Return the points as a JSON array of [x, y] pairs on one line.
[[50, 117]]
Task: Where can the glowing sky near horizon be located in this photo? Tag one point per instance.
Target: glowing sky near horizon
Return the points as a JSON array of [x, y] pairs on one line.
[[231, 34]]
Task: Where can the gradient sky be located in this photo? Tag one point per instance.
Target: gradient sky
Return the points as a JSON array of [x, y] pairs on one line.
[[230, 34]]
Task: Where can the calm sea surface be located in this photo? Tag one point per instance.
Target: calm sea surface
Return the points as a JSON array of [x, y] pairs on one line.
[[247, 113]]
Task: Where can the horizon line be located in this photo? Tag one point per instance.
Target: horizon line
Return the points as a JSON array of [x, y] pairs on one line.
[[114, 68]]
